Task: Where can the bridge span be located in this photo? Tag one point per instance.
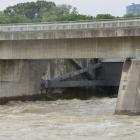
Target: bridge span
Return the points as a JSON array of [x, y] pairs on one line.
[[65, 50], [104, 39]]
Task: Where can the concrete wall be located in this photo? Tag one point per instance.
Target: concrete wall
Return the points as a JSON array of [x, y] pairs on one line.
[[105, 39], [67, 34], [117, 28], [70, 48], [129, 91], [22, 77], [19, 77]]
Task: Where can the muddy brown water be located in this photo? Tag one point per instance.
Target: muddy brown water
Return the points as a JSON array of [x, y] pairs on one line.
[[92, 119]]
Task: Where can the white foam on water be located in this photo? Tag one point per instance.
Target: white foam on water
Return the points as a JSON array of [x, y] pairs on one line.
[[92, 119]]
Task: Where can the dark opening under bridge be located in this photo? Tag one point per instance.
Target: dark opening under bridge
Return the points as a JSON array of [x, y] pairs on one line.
[[110, 76]]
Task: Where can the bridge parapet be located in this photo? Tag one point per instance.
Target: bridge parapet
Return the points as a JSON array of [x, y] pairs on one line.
[[105, 39], [70, 25], [117, 28]]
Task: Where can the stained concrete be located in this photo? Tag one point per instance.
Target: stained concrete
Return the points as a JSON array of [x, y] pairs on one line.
[[129, 91], [70, 48], [26, 50], [22, 77], [116, 28], [105, 39]]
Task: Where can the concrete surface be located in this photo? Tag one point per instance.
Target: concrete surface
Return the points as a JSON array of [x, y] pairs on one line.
[[22, 77], [129, 91], [104, 39], [116, 28], [70, 48]]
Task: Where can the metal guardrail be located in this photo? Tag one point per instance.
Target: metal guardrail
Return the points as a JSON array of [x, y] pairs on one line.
[[59, 22], [119, 23]]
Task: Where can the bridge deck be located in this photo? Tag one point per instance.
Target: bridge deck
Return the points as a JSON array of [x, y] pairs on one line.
[[104, 39]]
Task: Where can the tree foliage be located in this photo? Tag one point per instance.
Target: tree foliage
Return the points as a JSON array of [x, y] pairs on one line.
[[129, 16], [64, 13], [104, 16], [31, 10], [74, 17], [45, 11]]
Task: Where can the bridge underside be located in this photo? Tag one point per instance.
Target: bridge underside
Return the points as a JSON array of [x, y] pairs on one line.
[[23, 77], [111, 47]]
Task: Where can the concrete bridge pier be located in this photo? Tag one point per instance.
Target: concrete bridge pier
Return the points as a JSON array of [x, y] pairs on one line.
[[129, 91]]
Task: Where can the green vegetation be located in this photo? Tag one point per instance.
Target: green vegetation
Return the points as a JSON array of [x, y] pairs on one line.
[[105, 16], [40, 11], [46, 11], [129, 16]]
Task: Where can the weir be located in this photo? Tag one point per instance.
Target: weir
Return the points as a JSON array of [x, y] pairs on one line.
[[82, 54], [23, 77]]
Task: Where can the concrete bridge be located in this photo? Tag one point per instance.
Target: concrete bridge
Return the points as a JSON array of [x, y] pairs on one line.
[[27, 51], [104, 39]]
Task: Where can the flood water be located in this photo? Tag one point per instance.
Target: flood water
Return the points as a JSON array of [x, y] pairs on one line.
[[92, 119]]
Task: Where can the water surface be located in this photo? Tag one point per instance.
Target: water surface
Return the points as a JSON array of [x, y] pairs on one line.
[[92, 119]]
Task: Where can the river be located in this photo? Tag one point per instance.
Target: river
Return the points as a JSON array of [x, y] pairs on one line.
[[92, 119]]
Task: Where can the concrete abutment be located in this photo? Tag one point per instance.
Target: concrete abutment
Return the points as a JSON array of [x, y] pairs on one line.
[[129, 91]]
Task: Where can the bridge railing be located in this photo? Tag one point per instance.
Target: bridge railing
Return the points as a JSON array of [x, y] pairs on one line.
[[119, 23], [60, 22]]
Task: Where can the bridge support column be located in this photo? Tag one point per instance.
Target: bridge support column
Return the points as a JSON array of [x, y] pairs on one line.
[[129, 91]]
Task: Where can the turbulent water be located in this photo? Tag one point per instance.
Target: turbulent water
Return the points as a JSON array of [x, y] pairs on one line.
[[66, 120]]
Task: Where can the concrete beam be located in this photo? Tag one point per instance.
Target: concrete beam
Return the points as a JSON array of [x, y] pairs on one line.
[[70, 48], [82, 83]]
